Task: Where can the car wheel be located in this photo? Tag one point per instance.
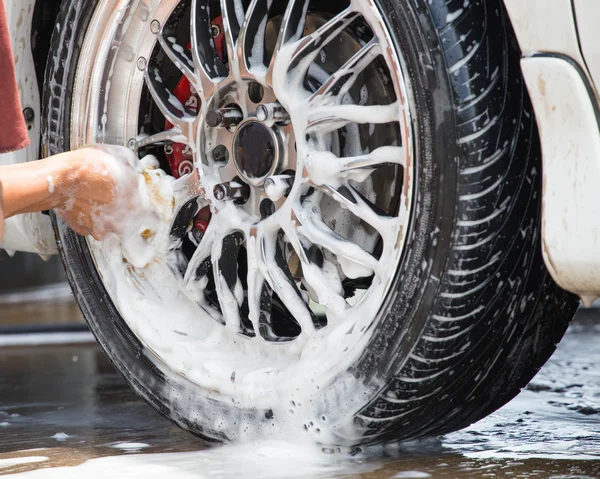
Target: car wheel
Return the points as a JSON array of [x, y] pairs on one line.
[[355, 247]]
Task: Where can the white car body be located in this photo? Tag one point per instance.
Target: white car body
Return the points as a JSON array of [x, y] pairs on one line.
[[561, 66], [30, 233]]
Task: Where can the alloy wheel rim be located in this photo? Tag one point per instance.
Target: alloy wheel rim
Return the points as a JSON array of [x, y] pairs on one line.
[[298, 122]]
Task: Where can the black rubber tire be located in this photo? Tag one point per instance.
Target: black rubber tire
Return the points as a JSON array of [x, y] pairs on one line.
[[473, 313]]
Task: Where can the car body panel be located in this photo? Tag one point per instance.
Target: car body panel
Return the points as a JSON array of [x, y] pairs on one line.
[[31, 233], [565, 103], [568, 127], [586, 14]]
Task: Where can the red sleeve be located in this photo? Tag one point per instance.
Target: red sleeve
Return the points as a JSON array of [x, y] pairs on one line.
[[13, 131]]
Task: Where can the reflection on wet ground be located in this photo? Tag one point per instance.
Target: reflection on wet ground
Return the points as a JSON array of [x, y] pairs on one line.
[[39, 307], [65, 406]]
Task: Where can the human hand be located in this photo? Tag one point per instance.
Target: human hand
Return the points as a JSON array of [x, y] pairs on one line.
[[98, 187], [110, 191], [97, 190]]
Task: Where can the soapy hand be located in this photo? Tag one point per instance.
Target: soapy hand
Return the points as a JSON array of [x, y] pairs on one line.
[[111, 195], [99, 188]]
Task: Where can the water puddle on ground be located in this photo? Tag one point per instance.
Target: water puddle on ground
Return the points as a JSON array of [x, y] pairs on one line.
[[64, 413]]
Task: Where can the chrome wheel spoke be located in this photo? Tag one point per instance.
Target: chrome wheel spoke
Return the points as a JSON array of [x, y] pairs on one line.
[[292, 25], [319, 275], [180, 56], [324, 167], [309, 47], [305, 49], [331, 118], [318, 233], [341, 81], [358, 205], [232, 12], [291, 30], [282, 284], [227, 283], [195, 276], [256, 283], [174, 135], [197, 265], [250, 48], [171, 108], [260, 294], [382, 156], [209, 66]]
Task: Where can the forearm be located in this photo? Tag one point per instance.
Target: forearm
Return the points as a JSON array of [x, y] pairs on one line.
[[35, 186], [79, 185]]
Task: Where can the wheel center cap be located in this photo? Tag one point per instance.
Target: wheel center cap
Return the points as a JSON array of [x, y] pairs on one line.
[[255, 151]]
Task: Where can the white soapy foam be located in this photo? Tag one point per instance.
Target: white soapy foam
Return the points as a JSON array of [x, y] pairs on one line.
[[19, 461], [325, 168], [50, 181], [239, 11], [130, 446], [61, 436], [264, 460], [143, 235], [410, 475], [454, 15], [256, 59], [277, 188]]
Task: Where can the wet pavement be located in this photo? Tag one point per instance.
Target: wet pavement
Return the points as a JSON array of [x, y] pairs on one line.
[[64, 412]]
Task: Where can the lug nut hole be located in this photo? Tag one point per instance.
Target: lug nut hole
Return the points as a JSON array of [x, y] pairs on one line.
[[256, 92], [267, 208], [221, 155]]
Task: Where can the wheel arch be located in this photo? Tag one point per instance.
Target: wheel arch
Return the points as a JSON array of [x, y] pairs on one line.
[[553, 63]]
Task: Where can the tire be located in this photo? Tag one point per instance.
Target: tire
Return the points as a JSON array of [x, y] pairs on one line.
[[472, 314]]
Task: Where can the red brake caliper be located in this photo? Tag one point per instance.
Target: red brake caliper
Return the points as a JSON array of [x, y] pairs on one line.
[[179, 156]]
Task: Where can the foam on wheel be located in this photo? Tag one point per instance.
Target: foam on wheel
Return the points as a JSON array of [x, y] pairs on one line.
[[471, 313]]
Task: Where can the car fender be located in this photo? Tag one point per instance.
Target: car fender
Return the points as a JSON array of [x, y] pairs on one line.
[[565, 102]]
